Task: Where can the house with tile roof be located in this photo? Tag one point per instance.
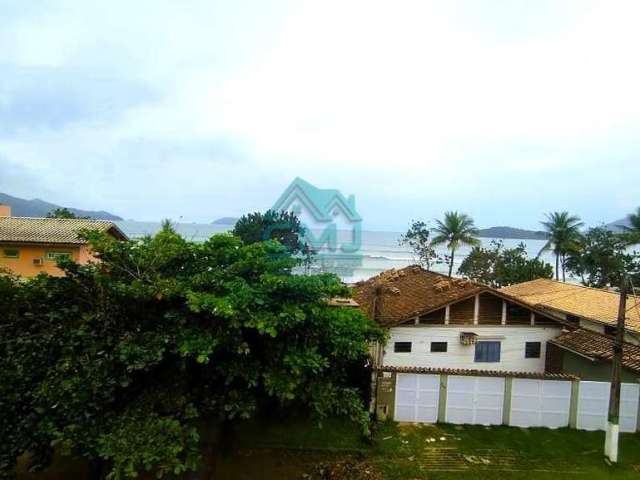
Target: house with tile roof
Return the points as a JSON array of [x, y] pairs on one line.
[[437, 322], [29, 246], [585, 349]]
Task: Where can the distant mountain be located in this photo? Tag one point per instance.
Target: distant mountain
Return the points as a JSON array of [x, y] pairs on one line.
[[510, 232], [39, 208], [618, 224], [225, 221]]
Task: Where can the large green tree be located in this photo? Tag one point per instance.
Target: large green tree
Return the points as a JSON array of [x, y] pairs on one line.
[[497, 266], [455, 230], [285, 227], [601, 259], [564, 236], [119, 361]]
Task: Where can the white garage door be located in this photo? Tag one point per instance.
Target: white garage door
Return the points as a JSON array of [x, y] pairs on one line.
[[593, 406], [475, 400], [417, 398], [540, 403]]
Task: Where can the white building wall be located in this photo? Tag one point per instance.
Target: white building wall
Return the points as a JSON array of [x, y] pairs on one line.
[[512, 349]]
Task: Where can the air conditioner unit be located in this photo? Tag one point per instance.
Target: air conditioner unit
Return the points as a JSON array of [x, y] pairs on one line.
[[38, 261]]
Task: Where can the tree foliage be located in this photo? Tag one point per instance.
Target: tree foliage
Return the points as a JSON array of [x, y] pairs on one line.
[[564, 236], [418, 239], [631, 232], [62, 213], [118, 361], [497, 266], [601, 258], [455, 230], [285, 227]]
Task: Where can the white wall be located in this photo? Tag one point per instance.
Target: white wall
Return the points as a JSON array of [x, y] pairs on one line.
[[512, 340]]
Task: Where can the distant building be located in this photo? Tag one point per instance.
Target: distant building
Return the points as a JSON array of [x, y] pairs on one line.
[[29, 246]]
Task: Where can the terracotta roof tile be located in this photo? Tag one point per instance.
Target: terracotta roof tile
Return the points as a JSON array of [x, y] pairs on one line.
[[395, 296], [598, 346], [591, 303], [484, 373], [51, 230]]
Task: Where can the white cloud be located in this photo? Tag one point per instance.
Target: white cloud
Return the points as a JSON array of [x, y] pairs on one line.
[[405, 103]]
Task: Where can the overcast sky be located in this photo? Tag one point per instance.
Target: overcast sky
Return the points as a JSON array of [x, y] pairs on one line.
[[198, 109]]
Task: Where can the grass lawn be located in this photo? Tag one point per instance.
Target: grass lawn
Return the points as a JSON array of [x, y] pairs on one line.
[[450, 451], [272, 449]]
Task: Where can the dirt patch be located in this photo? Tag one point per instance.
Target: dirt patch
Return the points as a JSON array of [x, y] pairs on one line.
[[345, 470]]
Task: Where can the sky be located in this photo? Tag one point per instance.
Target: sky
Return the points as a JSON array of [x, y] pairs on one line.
[[193, 110]]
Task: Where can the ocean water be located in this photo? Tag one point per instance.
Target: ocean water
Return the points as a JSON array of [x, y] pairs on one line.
[[379, 251]]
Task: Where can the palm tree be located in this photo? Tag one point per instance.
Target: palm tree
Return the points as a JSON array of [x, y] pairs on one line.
[[457, 229], [564, 236]]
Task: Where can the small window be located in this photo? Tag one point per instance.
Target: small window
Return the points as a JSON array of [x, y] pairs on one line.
[[54, 256], [488, 352], [438, 346], [402, 347], [11, 253], [610, 330], [532, 349]]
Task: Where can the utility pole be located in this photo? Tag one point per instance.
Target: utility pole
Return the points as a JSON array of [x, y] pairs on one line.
[[613, 427]]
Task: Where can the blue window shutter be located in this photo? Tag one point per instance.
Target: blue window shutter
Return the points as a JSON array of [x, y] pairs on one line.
[[487, 352]]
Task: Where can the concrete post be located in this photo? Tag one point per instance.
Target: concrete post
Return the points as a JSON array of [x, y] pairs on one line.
[[506, 405], [442, 399], [573, 406], [476, 309], [504, 313]]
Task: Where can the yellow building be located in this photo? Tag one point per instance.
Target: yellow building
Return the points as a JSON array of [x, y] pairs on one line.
[[29, 246]]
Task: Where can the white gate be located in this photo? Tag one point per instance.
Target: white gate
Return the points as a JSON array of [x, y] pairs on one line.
[[540, 403], [475, 400], [417, 398], [593, 406]]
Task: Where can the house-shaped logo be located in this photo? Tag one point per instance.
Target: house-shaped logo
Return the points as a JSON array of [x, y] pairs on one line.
[[333, 227]]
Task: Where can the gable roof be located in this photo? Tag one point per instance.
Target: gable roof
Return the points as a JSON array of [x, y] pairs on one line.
[[596, 346], [395, 296], [590, 303], [52, 230], [320, 202]]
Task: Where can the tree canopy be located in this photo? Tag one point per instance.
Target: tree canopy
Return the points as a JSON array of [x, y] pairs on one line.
[[601, 258], [285, 227], [62, 213], [118, 361], [497, 266], [564, 236], [455, 230], [418, 239]]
